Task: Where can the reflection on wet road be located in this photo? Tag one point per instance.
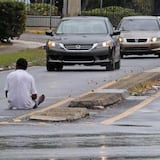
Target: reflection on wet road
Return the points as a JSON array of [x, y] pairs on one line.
[[111, 146]]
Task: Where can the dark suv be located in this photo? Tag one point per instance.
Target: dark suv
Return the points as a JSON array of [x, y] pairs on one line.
[[83, 40]]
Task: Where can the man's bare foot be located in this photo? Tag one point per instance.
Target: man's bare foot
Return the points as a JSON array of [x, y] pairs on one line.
[[41, 99]]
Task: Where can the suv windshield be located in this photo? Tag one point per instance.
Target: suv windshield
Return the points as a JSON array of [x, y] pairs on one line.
[[82, 27], [139, 24]]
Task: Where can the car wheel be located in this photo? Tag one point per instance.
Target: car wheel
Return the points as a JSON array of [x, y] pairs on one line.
[[50, 67], [110, 66], [59, 67], [117, 65], [122, 55]]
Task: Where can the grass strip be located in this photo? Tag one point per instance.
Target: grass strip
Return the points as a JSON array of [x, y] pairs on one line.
[[33, 56]]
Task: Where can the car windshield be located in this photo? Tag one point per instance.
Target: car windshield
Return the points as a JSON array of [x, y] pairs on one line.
[[79, 26], [139, 24]]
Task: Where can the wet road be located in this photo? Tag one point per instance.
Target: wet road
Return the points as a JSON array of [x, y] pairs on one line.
[[135, 136]]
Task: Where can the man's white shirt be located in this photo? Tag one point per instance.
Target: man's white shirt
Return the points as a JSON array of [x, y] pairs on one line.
[[20, 86]]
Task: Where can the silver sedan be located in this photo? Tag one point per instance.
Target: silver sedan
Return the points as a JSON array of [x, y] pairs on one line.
[[139, 35]]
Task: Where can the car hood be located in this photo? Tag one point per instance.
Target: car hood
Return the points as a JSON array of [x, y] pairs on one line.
[[140, 34], [81, 39]]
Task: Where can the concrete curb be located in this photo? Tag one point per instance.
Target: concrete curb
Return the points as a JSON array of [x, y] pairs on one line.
[[61, 114], [115, 92]]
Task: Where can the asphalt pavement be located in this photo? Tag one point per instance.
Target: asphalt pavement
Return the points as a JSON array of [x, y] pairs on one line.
[[108, 95]]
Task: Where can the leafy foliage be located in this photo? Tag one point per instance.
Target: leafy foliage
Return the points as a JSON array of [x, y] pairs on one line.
[[135, 4], [114, 13], [12, 19], [42, 9], [142, 88], [143, 6], [116, 9]]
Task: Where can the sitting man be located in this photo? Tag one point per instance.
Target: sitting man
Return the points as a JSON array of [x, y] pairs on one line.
[[20, 89]]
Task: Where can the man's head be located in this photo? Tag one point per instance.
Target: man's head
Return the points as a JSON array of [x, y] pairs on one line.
[[21, 64]]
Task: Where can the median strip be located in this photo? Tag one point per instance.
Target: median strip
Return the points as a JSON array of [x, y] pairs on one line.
[[99, 98]]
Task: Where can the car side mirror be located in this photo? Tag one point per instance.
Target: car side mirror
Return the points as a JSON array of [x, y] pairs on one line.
[[49, 33]]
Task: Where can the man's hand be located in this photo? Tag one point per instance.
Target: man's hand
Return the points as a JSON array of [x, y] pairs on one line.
[[34, 96]]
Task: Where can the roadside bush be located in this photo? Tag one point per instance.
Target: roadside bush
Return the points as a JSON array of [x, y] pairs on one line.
[[12, 19], [114, 13], [41, 9]]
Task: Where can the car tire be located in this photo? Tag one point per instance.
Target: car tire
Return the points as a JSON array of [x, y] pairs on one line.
[[50, 67], [110, 66], [122, 55], [117, 65], [59, 67]]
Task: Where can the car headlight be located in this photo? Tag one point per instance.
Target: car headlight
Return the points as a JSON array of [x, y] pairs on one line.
[[155, 39], [51, 44], [120, 39], [107, 44]]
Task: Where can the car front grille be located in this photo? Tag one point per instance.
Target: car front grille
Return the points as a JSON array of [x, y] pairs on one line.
[[78, 46], [137, 49], [73, 58], [136, 40], [78, 58]]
